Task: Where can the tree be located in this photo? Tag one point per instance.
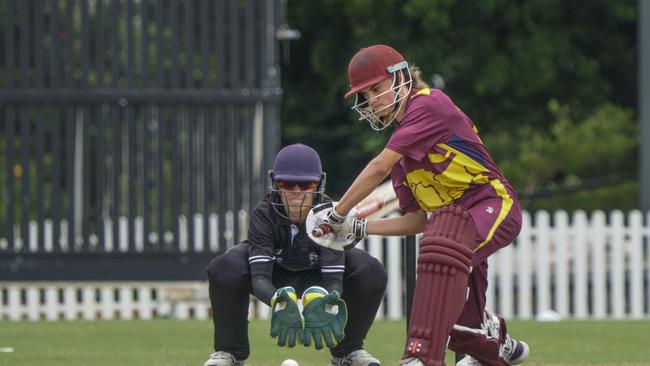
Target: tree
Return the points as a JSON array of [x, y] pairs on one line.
[[503, 63], [571, 157]]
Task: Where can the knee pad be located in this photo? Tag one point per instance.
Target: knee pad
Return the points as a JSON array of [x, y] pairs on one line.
[[450, 223], [446, 252]]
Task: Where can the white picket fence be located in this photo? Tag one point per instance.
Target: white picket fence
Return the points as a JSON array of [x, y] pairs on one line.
[[108, 300], [580, 267], [121, 242], [561, 266]]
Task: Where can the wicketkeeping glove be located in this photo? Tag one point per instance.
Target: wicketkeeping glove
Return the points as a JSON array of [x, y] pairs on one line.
[[286, 322], [325, 317]]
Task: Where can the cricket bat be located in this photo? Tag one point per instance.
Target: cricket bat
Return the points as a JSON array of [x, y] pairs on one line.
[[378, 203]]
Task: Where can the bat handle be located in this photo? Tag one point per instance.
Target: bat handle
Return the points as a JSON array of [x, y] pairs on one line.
[[321, 230]]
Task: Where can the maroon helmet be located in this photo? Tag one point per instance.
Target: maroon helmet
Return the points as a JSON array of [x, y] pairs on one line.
[[370, 66]]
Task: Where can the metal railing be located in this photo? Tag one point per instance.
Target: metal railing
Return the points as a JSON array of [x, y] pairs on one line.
[[148, 110]]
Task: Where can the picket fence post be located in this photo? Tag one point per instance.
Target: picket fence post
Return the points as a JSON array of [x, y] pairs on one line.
[[577, 266]]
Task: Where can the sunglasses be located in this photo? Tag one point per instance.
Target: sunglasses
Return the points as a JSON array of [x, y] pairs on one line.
[[289, 186]]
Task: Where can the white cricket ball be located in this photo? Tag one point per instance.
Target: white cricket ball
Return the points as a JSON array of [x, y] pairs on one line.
[[289, 362]]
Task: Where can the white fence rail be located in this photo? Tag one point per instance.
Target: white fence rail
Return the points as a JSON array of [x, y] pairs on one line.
[[120, 243], [576, 266], [571, 266], [90, 301]]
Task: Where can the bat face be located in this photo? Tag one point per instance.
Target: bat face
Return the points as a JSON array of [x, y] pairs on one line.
[[378, 204], [320, 232]]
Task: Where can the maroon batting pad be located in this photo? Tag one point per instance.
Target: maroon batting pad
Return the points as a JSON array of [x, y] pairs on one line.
[[476, 342], [446, 252]]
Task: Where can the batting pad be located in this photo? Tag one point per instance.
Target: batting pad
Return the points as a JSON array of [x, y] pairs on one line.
[[446, 252], [478, 344]]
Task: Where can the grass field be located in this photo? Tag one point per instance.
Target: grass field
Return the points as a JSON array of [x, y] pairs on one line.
[[170, 342]]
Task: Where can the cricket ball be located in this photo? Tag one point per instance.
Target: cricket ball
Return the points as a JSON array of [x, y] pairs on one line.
[[289, 362]]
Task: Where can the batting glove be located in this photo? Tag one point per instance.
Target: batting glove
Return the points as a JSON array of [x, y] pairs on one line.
[[334, 220], [286, 322], [355, 229], [325, 317]]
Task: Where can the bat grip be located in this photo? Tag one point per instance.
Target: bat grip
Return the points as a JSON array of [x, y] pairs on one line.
[[321, 230]]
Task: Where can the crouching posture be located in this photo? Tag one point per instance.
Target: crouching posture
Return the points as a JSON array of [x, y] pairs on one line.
[[279, 263], [450, 189]]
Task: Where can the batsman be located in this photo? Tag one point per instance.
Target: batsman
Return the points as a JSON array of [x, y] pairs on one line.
[[450, 190], [279, 263]]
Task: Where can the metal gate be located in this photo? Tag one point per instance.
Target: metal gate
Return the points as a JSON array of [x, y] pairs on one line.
[[135, 134]]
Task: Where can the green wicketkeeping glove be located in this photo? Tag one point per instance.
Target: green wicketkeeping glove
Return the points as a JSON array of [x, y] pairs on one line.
[[325, 317], [286, 322]]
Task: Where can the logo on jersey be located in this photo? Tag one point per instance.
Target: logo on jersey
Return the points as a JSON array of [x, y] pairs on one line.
[[314, 259]]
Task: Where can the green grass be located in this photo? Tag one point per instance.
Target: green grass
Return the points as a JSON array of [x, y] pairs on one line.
[[170, 342]]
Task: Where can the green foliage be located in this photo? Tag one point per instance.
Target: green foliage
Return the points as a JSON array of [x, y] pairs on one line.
[[622, 196], [508, 65], [570, 154], [526, 71]]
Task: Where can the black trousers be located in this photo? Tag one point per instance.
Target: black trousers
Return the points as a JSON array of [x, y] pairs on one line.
[[364, 284]]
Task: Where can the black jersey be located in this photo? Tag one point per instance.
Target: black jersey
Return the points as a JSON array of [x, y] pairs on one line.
[[275, 240]]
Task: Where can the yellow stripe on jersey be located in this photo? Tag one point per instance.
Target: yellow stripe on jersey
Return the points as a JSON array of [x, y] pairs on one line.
[[476, 132], [506, 205], [425, 91], [436, 190]]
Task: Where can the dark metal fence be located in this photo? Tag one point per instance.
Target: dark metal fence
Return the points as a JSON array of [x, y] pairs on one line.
[[132, 127]]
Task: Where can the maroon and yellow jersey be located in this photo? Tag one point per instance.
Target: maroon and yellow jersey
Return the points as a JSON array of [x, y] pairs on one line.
[[443, 158]]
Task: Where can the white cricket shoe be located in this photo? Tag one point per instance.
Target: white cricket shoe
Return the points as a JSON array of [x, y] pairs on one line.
[[359, 357], [221, 358], [411, 361], [468, 361], [511, 350]]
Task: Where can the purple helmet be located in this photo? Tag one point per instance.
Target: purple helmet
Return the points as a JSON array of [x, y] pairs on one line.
[[296, 163]]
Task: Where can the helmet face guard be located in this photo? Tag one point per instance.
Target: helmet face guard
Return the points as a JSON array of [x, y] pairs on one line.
[[282, 209], [296, 164], [366, 112]]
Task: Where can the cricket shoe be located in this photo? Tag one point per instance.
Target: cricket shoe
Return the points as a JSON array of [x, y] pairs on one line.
[[468, 361], [221, 358], [356, 358], [513, 352], [411, 361]]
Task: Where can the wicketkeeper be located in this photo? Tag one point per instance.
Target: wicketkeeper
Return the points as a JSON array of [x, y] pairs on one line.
[[279, 263]]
